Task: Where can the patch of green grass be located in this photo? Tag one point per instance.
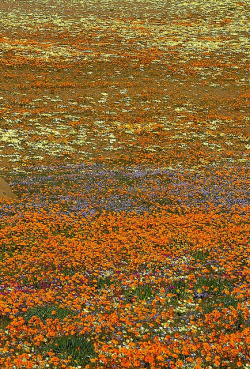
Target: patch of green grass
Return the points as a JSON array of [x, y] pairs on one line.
[[179, 289], [144, 292], [212, 294], [45, 312], [213, 303], [102, 282], [4, 321], [80, 348], [68, 271], [215, 285], [200, 255]]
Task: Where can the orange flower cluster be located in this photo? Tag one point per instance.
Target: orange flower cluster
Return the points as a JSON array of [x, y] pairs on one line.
[[151, 288]]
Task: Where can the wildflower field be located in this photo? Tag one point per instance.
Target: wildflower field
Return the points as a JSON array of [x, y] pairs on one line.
[[124, 133]]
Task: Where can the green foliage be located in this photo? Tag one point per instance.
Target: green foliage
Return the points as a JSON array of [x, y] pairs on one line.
[[178, 288], [80, 348], [102, 282], [216, 285], [200, 255], [144, 292], [68, 271], [213, 302], [4, 321], [45, 312]]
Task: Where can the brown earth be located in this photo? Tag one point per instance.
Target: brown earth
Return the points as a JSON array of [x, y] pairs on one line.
[[5, 191]]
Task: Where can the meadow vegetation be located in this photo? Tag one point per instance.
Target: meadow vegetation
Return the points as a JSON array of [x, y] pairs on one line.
[[124, 134]]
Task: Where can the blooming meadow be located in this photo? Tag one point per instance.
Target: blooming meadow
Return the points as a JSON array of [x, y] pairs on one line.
[[124, 134]]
